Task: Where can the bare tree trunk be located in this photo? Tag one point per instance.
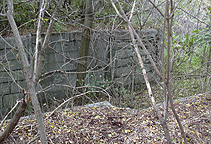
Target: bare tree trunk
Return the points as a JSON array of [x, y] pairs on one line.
[[132, 33], [162, 121], [31, 80], [169, 19], [40, 62], [166, 99], [85, 42], [13, 122], [38, 37], [27, 73]]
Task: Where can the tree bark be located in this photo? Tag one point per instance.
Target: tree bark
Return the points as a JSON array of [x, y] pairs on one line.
[[162, 121], [31, 80], [27, 74], [13, 122], [132, 33], [169, 19], [85, 43], [40, 63]]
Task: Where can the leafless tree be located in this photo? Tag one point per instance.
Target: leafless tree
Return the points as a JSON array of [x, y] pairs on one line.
[[125, 15], [168, 19], [31, 78]]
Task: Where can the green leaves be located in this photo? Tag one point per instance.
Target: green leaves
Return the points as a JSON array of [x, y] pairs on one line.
[[192, 50], [209, 8]]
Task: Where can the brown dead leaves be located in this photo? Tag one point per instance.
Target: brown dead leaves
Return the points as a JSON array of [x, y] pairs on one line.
[[114, 125]]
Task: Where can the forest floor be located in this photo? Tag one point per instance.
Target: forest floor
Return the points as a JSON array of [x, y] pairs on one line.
[[109, 125]]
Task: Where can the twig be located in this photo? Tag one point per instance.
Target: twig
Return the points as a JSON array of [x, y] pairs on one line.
[[156, 8], [68, 101], [9, 113], [38, 37], [11, 76], [1, 14], [132, 11], [195, 17]]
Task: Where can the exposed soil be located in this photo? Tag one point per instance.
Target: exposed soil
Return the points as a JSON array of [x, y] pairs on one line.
[[113, 125]]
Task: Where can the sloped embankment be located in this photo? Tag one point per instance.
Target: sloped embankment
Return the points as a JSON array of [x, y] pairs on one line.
[[116, 125]]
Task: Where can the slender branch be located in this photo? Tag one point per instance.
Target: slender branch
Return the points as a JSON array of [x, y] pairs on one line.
[[132, 33], [173, 9], [76, 96], [3, 10], [28, 77], [38, 37], [13, 79], [7, 42], [168, 82], [132, 11], [195, 17], [139, 39], [117, 11], [72, 72], [156, 8], [9, 113], [13, 122], [22, 2], [166, 99], [63, 85], [45, 44], [1, 14]]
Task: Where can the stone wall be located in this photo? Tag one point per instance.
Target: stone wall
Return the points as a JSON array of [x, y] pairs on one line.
[[111, 58]]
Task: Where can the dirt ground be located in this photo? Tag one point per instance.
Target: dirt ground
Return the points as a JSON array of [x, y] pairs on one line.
[[110, 125]]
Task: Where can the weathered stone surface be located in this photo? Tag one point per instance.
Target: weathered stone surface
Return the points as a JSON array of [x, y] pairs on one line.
[[111, 54]]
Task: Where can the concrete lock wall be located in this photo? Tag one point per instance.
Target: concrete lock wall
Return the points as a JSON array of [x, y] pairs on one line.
[[111, 54]]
